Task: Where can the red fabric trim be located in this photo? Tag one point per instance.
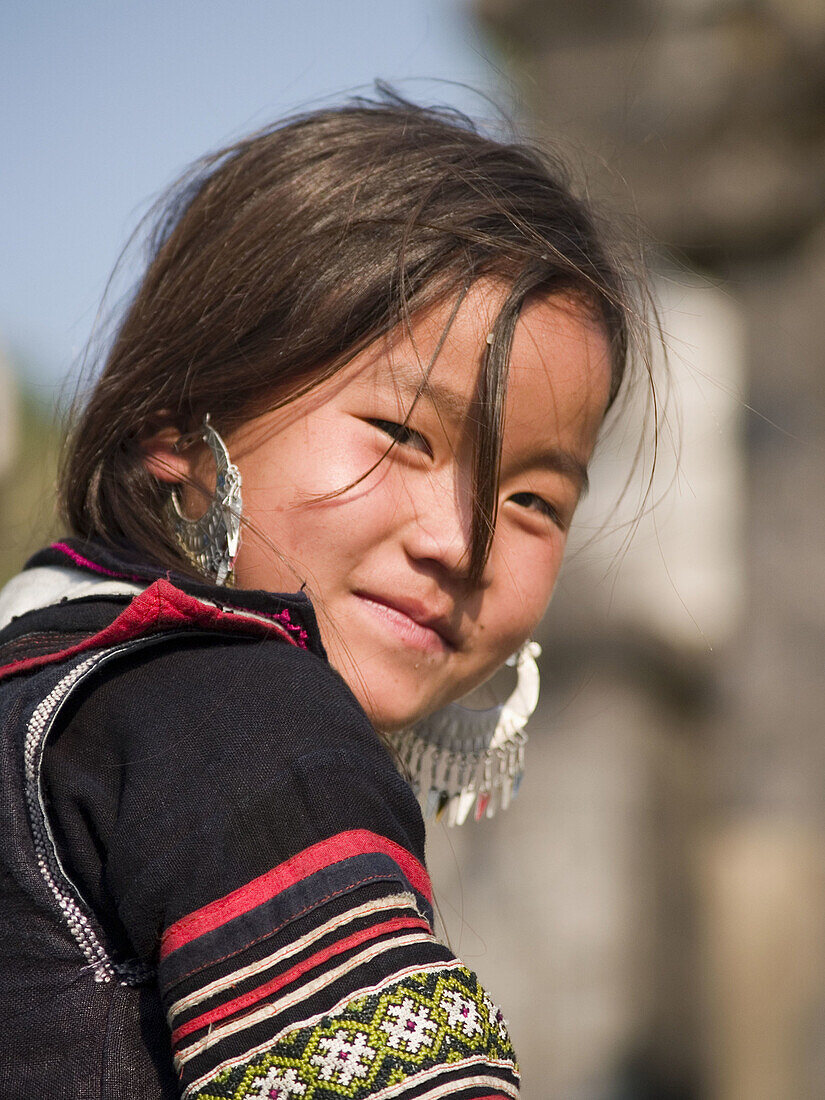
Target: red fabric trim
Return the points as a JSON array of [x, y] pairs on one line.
[[283, 617], [355, 842], [294, 972], [159, 607]]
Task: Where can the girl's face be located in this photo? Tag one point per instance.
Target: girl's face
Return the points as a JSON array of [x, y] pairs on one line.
[[386, 560]]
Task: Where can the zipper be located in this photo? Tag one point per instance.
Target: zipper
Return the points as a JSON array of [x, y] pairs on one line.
[[68, 898]]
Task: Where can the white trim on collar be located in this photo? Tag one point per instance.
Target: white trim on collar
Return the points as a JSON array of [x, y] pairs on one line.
[[50, 584]]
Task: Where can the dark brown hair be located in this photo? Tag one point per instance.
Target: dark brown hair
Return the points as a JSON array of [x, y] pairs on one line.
[[281, 257]]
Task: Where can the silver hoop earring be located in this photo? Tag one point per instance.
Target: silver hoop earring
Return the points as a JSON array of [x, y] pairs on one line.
[[461, 759], [211, 543]]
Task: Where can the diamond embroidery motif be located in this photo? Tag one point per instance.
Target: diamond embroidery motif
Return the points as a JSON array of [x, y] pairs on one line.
[[344, 1058], [461, 1012], [410, 1026], [278, 1084], [378, 1041]]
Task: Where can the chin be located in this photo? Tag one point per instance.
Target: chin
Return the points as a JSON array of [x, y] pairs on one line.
[[393, 702], [391, 715], [391, 721]]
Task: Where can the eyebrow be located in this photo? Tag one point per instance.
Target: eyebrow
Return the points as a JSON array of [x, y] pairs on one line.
[[411, 379], [417, 385], [561, 462]]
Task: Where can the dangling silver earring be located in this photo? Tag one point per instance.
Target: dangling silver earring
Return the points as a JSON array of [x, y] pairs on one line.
[[211, 543], [461, 759]]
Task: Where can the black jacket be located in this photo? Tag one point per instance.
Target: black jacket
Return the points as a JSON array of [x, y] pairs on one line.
[[213, 874]]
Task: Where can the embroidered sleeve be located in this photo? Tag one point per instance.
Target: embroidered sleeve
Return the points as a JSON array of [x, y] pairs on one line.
[[322, 978], [266, 854]]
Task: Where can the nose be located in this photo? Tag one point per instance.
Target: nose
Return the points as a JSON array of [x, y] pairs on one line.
[[440, 530]]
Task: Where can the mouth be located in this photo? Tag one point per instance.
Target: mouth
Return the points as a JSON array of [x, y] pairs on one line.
[[412, 621]]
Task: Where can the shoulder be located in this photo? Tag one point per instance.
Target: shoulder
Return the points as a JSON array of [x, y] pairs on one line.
[[237, 753], [218, 696]]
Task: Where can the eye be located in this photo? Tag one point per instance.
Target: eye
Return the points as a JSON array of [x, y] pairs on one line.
[[402, 434], [534, 503]]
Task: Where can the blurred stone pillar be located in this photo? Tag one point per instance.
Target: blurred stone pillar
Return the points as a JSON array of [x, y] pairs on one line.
[[764, 926]]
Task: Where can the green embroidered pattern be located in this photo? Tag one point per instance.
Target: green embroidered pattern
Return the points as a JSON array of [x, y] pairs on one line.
[[436, 1018]]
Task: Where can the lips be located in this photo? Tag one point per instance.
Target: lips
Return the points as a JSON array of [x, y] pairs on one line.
[[422, 625]]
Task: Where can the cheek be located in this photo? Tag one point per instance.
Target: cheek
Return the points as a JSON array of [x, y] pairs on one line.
[[526, 577], [310, 457], [528, 568], [342, 530]]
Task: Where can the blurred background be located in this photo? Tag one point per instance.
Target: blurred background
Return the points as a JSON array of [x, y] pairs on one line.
[[651, 911]]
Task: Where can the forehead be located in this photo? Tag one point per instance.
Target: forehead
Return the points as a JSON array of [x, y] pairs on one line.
[[559, 365], [560, 369]]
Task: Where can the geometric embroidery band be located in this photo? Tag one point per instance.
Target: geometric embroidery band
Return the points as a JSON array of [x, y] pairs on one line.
[[436, 1027], [271, 1009]]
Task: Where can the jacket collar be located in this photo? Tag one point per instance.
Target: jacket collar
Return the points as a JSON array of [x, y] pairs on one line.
[[89, 569]]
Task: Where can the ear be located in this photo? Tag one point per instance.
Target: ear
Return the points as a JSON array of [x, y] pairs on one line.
[[163, 461]]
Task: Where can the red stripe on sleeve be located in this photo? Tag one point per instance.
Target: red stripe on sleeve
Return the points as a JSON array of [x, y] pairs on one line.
[[294, 972], [356, 842]]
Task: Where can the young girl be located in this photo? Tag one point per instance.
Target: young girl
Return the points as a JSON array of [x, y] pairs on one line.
[[320, 491]]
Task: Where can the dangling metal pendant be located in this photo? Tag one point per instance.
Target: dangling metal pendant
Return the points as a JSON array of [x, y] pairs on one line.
[[462, 760], [211, 543]]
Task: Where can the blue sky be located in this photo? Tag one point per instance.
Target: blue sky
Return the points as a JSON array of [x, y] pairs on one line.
[[104, 102]]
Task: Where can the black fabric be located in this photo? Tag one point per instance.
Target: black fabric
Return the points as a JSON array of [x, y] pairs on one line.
[[246, 752], [57, 628], [68, 1000]]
